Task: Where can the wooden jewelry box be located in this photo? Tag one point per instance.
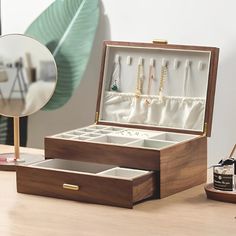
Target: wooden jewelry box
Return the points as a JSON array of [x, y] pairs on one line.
[[154, 114]]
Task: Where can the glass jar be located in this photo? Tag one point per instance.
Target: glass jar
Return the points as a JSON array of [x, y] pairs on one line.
[[224, 177]]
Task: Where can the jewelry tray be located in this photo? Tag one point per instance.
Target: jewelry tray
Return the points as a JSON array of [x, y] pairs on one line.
[[113, 135], [162, 129]]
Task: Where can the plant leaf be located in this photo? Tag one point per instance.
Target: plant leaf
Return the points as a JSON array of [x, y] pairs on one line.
[[67, 28]]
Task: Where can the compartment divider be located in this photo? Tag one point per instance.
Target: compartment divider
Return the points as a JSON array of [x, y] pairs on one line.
[[65, 136], [114, 135], [135, 141], [162, 140], [119, 172], [151, 143], [112, 139], [103, 132], [173, 137], [97, 127]]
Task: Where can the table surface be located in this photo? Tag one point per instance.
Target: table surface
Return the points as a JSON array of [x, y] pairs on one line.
[[186, 213]]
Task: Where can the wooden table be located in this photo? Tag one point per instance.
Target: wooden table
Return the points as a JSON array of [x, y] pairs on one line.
[[187, 213]]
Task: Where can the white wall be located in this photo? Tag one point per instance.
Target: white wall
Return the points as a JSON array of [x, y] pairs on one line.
[[202, 22]]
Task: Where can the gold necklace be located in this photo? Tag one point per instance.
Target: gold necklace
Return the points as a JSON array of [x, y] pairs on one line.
[[163, 78], [140, 80], [151, 77]]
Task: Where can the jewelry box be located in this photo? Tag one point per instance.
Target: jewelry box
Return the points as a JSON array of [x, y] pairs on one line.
[[149, 140]]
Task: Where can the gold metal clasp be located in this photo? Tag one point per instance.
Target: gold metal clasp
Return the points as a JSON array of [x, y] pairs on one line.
[[205, 130], [96, 117], [160, 41], [71, 187]]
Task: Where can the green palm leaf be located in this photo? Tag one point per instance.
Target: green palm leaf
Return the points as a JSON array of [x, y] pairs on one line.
[[67, 28]]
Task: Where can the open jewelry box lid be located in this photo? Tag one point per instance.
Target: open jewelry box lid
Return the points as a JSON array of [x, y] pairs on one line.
[[178, 97]]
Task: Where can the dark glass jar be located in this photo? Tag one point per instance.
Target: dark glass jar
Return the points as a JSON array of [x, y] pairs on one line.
[[224, 175]]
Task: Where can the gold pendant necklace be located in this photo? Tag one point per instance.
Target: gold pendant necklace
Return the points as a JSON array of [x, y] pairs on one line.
[[151, 77], [140, 80], [163, 78]]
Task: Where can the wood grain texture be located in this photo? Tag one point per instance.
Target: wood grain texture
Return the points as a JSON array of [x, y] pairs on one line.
[[145, 159], [156, 45], [180, 166], [99, 97], [224, 196], [92, 188], [183, 166], [144, 187], [185, 213], [210, 90]]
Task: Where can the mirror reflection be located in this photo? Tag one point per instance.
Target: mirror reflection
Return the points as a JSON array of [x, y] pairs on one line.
[[28, 75]]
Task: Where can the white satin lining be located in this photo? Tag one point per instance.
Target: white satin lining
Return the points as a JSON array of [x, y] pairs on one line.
[[167, 111]]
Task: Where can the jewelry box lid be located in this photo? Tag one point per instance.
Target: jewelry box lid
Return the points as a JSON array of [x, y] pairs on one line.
[[157, 86]]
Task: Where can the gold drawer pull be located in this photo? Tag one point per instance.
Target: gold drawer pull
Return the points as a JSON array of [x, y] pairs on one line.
[[71, 187], [160, 41]]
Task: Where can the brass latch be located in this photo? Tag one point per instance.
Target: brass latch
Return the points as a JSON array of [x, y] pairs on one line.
[[71, 187], [205, 129], [160, 41], [96, 117]]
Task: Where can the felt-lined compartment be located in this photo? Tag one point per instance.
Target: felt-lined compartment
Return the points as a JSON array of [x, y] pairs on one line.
[[182, 105], [171, 112], [90, 168], [126, 137], [123, 173]]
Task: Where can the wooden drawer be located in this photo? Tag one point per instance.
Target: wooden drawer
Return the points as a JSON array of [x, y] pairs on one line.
[[125, 156], [87, 182]]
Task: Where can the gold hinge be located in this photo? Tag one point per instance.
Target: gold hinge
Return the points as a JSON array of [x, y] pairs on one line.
[[71, 187], [160, 41], [96, 117], [205, 130]]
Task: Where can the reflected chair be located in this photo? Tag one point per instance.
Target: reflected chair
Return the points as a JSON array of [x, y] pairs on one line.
[[20, 79], [3, 79]]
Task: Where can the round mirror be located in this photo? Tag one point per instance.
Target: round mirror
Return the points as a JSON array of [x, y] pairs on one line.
[[28, 75]]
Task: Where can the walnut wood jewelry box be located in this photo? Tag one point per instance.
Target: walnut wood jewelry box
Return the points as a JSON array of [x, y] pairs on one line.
[[154, 114]]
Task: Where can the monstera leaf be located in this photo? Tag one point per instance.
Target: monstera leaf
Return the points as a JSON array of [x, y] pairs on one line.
[[67, 28]]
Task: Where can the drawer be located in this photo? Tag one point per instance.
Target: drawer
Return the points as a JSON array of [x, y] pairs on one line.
[[86, 182], [131, 157]]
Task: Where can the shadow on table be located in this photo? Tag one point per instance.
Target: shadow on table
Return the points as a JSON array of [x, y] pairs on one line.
[[188, 197]]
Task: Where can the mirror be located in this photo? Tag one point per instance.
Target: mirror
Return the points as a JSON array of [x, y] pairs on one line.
[[78, 32], [28, 75], [28, 78]]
